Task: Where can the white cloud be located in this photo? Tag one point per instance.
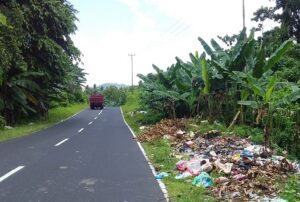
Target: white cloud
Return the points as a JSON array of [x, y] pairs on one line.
[[106, 57]]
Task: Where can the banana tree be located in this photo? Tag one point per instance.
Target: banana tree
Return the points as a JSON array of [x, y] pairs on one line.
[[161, 88], [269, 95], [188, 82], [200, 64], [17, 93]]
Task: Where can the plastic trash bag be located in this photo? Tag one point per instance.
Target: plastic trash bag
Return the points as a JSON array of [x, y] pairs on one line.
[[203, 179]]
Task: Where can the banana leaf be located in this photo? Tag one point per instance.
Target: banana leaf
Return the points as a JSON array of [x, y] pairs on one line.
[[276, 56], [207, 48], [270, 88]]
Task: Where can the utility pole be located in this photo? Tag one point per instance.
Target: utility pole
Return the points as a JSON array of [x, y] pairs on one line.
[[244, 24], [131, 55]]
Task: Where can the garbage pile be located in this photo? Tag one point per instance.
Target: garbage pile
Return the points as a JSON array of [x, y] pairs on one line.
[[165, 127], [245, 171], [231, 167]]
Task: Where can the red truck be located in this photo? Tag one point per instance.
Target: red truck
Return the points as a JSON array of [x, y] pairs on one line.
[[96, 101]]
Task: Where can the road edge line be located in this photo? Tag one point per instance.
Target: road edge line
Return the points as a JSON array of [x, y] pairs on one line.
[[160, 182], [70, 117]]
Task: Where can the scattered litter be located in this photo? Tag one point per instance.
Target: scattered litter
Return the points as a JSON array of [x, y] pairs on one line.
[[221, 180], [161, 175], [181, 165], [183, 175], [191, 134], [203, 180], [249, 172], [142, 128], [226, 168], [267, 199]]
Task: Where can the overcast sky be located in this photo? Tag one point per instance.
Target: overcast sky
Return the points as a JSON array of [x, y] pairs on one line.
[[155, 30]]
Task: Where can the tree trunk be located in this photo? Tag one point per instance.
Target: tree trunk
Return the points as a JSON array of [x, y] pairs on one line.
[[234, 119], [198, 106], [267, 134], [297, 133], [242, 117], [173, 110], [210, 114], [9, 117]]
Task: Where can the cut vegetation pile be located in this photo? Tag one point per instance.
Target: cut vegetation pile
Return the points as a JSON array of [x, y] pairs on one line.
[[165, 127], [232, 168]]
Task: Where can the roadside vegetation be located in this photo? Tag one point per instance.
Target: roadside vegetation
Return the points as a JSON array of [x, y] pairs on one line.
[[30, 126], [240, 85], [39, 63], [40, 78]]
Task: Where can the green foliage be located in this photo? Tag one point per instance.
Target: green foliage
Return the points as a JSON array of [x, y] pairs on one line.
[[39, 63], [131, 106], [115, 96], [3, 20], [242, 79], [288, 17], [292, 189], [150, 117]]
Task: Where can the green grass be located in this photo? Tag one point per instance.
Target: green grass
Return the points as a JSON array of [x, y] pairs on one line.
[[55, 115], [132, 106], [179, 190], [291, 190]]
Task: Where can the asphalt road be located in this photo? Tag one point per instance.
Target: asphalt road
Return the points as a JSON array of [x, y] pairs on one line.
[[90, 157]]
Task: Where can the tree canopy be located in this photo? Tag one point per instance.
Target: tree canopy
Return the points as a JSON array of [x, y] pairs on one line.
[[39, 61]]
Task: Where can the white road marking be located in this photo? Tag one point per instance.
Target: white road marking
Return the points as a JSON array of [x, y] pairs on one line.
[[7, 175], [90, 122], [61, 142], [95, 118], [100, 112], [80, 130]]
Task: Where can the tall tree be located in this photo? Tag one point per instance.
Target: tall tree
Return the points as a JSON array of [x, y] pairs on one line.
[[36, 45], [287, 13]]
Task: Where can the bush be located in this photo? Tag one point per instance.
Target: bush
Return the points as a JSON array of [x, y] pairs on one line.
[[115, 96], [151, 118]]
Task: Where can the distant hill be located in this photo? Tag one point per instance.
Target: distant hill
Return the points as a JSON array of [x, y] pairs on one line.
[[105, 85]]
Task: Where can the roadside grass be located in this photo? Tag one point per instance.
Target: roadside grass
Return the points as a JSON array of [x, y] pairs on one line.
[[130, 110], [179, 190], [159, 154], [55, 115], [291, 189]]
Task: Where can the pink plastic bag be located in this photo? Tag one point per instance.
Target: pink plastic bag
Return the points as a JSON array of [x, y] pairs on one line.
[[181, 165]]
